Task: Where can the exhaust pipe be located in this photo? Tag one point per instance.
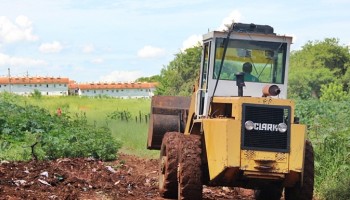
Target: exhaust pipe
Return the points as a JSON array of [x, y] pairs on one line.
[[271, 90]]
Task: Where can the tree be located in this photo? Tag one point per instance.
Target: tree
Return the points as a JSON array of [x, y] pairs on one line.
[[180, 75], [333, 92], [318, 63], [150, 79]]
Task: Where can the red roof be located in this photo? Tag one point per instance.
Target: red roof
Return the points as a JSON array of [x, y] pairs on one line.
[[33, 80], [92, 86], [72, 84]]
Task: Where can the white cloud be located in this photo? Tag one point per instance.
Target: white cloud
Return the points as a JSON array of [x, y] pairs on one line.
[[97, 60], [234, 16], [6, 60], [23, 21], [54, 47], [295, 38], [88, 48], [13, 32], [193, 40], [123, 76], [150, 52]]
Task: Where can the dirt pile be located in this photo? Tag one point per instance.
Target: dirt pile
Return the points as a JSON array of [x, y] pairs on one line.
[[129, 177]]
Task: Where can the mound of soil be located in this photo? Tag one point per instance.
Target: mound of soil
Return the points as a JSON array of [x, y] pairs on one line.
[[129, 177]]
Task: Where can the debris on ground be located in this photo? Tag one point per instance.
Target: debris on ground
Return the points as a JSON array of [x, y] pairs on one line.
[[129, 177]]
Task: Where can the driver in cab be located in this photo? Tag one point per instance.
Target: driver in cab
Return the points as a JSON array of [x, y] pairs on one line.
[[247, 69]]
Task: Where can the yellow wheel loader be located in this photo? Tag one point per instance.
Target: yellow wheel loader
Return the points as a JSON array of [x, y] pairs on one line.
[[238, 129]]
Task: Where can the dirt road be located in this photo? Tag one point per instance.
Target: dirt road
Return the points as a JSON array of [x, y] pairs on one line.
[[129, 177]]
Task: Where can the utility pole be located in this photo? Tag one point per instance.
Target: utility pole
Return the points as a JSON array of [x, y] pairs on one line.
[[9, 80]]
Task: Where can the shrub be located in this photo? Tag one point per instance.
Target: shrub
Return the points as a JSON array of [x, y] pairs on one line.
[[120, 115], [36, 94], [333, 92], [329, 130], [34, 133]]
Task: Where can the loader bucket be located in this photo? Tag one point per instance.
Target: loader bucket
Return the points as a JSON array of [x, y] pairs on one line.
[[168, 113]]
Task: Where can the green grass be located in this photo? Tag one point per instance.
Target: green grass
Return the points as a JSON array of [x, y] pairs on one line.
[[134, 138], [132, 134]]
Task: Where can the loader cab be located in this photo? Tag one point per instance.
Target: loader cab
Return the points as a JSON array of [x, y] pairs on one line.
[[252, 49]]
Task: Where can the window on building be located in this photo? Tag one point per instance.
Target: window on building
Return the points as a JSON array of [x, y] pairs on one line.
[[94, 91], [87, 90], [35, 85], [54, 85], [47, 85]]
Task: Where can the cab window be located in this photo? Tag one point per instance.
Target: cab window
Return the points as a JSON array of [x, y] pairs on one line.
[[260, 61]]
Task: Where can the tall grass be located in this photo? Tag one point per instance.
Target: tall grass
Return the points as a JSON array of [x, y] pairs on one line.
[[132, 134], [329, 130]]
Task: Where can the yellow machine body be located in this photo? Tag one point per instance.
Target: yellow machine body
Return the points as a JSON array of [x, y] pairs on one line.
[[251, 140], [228, 162]]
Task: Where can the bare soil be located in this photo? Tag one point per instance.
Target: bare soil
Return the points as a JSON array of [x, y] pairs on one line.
[[129, 177]]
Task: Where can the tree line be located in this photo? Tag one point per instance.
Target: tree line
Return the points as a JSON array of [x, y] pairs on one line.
[[319, 70]]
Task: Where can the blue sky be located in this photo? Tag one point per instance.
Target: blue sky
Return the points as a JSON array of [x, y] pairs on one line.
[[112, 41]]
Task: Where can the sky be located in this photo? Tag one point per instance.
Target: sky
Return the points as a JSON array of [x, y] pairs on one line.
[[122, 40]]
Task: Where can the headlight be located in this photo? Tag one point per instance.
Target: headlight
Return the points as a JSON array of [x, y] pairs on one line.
[[249, 125], [282, 127]]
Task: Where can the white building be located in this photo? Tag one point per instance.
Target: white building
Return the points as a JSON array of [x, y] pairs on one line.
[[117, 90], [27, 85]]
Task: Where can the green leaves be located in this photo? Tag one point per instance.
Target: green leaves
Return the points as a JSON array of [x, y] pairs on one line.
[[154, 78], [181, 74], [120, 115], [329, 130], [57, 136], [333, 92], [318, 63]]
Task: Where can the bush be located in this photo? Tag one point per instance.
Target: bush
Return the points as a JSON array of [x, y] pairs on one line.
[[333, 92], [36, 94], [34, 133], [329, 130], [120, 115]]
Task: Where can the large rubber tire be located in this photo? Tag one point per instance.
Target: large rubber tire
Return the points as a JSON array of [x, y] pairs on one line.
[[273, 192], [189, 169], [304, 192], [168, 165]]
